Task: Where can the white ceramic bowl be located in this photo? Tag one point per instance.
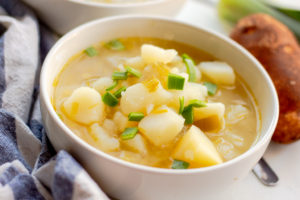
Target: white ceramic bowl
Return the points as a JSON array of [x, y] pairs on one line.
[[64, 15], [124, 180]]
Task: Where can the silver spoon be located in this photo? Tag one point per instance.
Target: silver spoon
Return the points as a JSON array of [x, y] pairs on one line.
[[265, 174]]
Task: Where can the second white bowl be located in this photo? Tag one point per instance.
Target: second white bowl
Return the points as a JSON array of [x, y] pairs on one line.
[[64, 15]]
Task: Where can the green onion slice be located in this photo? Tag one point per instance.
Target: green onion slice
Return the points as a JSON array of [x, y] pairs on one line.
[[119, 92], [135, 116], [197, 103], [181, 105], [211, 88], [129, 133], [115, 45], [110, 99], [119, 76], [133, 72], [115, 83], [91, 51], [179, 164], [190, 67], [175, 81], [188, 114]]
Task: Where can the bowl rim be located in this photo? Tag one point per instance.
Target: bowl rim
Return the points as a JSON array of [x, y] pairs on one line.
[[119, 5], [45, 97]]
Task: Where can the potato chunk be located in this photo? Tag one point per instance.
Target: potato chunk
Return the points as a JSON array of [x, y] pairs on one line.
[[196, 149], [110, 127], [191, 91], [84, 106], [152, 54], [121, 121], [137, 98], [135, 62], [211, 117], [161, 126], [137, 144], [102, 138], [101, 84], [218, 72]]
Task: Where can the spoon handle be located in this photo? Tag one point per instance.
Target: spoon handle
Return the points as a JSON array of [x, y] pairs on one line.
[[265, 173]]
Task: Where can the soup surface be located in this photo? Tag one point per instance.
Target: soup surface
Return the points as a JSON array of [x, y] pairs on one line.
[[156, 102]]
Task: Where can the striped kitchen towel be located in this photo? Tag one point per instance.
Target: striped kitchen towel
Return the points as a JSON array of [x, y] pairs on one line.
[[29, 166]]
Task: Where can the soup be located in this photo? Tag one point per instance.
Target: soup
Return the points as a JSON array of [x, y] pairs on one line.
[[156, 102]]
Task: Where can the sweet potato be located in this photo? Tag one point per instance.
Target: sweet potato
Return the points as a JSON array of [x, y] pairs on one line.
[[273, 44]]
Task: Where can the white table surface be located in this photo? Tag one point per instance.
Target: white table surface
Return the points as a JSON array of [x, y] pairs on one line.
[[284, 159]]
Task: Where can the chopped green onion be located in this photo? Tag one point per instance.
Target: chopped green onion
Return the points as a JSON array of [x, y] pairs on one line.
[[188, 114], [110, 99], [119, 92], [179, 164], [129, 133], [91, 51], [119, 76], [135, 116], [211, 88], [115, 45], [133, 72], [175, 82], [181, 105], [190, 67], [115, 83], [197, 103]]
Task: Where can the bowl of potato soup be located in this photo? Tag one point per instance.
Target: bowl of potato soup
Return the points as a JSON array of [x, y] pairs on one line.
[[64, 15], [163, 110]]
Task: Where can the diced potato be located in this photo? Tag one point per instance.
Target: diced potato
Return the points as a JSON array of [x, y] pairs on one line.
[[102, 138], [175, 70], [236, 113], [210, 110], [152, 54], [101, 84], [219, 72], [137, 98], [137, 144], [110, 126], [135, 62], [191, 91], [85, 106], [149, 109], [196, 149], [177, 63], [161, 126], [211, 117], [182, 69], [121, 121]]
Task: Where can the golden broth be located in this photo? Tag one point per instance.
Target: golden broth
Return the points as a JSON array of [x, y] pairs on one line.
[[81, 70]]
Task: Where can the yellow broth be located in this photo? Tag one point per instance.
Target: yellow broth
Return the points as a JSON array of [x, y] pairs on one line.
[[82, 70]]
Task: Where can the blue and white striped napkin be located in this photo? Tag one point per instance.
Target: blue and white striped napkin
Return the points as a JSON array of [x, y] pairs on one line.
[[29, 166]]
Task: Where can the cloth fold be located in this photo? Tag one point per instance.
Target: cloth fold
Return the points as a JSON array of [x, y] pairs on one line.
[[29, 166]]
